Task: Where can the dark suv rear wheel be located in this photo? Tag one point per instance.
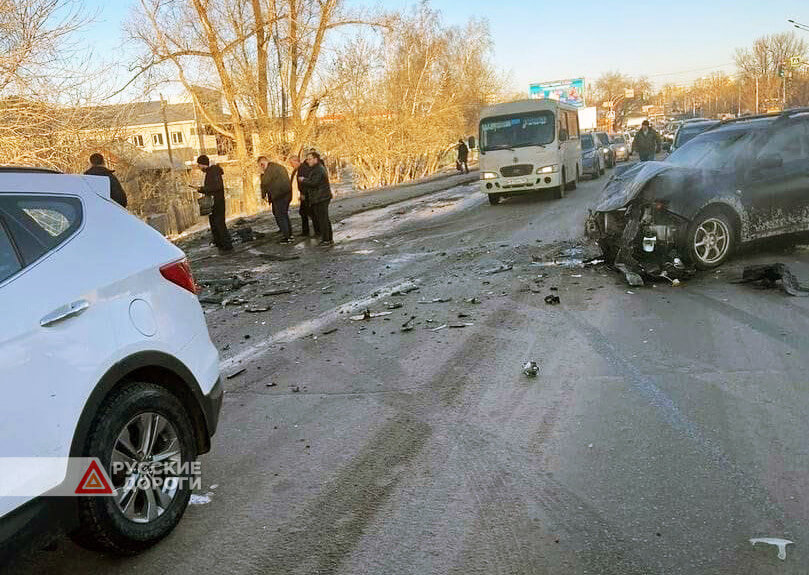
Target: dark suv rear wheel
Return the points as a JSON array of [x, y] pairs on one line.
[[144, 438]]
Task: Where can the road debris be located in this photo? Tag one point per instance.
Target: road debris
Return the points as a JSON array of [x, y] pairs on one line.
[[440, 327], [499, 269], [530, 369], [279, 291], [200, 499], [366, 315], [436, 300], [780, 543], [460, 325], [552, 299], [236, 373], [330, 331], [472, 300], [271, 384], [295, 388], [211, 299], [396, 305], [767, 276], [257, 309], [405, 289], [408, 325]]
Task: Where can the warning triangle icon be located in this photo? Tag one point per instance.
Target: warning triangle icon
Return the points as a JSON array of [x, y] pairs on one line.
[[94, 482]]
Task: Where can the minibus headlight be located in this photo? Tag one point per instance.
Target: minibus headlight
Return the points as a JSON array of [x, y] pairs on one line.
[[548, 169], [488, 175]]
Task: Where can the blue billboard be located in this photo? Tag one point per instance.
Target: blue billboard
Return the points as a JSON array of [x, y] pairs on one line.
[[565, 91]]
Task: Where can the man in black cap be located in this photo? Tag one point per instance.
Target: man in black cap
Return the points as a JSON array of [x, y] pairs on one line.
[[646, 142], [215, 187], [97, 168]]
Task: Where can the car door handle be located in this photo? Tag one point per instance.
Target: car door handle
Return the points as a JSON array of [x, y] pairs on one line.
[[64, 312]]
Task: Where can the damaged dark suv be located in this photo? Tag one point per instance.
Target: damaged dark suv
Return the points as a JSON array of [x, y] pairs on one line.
[[742, 180]]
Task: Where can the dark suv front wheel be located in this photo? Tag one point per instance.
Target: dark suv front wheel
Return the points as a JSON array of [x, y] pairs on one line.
[[711, 239], [144, 438]]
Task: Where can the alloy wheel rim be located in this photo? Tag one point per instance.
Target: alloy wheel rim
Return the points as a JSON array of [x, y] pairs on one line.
[[711, 241], [149, 449]]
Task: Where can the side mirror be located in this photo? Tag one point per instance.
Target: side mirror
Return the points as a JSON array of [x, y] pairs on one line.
[[563, 135], [768, 162]]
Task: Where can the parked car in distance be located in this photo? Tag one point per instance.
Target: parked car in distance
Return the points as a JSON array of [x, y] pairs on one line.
[[741, 180], [620, 146], [592, 163], [104, 352], [690, 129], [606, 150]]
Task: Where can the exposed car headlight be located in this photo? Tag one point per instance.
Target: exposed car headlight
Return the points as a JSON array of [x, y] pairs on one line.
[[622, 148], [488, 175], [605, 150], [548, 169]]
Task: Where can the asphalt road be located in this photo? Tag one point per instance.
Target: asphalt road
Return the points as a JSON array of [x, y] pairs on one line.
[[666, 428]]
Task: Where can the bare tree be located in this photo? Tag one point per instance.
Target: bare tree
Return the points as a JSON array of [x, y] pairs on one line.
[[401, 101], [759, 66], [627, 94]]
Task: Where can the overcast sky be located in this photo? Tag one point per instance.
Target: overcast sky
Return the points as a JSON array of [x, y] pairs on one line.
[[537, 40]]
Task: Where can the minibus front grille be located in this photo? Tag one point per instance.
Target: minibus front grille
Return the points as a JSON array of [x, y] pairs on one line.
[[516, 170]]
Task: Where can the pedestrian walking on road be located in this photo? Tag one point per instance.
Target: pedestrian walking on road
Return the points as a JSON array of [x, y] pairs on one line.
[[97, 168], [463, 157], [214, 186], [646, 142], [276, 188], [304, 209], [318, 192]]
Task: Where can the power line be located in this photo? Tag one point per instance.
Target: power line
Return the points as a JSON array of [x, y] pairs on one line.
[[799, 26], [690, 71]]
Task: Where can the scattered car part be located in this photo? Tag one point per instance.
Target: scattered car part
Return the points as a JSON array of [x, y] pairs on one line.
[[769, 274], [530, 368], [780, 543], [552, 299]]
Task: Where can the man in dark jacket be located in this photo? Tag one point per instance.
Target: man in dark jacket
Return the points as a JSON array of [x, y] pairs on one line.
[[463, 156], [97, 168], [215, 187], [318, 191], [302, 170], [646, 142], [276, 188]]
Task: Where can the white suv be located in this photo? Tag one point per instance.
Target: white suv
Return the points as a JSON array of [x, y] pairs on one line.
[[104, 352]]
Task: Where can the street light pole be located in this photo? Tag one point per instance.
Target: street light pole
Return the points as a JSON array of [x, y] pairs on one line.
[[756, 94]]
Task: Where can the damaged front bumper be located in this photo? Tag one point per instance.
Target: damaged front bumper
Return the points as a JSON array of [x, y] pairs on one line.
[[641, 240]]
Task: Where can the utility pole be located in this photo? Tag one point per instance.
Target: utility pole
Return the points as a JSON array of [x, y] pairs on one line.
[[166, 130], [756, 95]]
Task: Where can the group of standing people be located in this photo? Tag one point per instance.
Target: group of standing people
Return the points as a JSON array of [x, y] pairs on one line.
[[310, 175], [314, 189]]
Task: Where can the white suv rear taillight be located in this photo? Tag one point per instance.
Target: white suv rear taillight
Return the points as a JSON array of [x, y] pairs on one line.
[[180, 273]]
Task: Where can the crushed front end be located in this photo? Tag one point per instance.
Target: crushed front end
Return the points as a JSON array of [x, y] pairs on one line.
[[641, 240]]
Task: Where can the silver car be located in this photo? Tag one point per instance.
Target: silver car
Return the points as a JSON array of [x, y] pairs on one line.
[[621, 147]]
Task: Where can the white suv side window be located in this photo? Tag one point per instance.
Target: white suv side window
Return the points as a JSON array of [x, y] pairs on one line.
[[9, 261], [38, 224]]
